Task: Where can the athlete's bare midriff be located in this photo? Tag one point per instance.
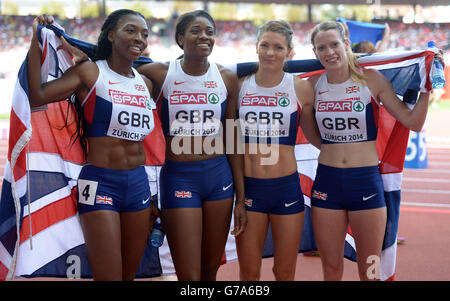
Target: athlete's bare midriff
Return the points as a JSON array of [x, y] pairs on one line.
[[189, 149], [269, 161], [347, 155], [114, 153]]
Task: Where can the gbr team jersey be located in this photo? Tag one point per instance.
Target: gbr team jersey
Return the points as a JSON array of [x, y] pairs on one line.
[[345, 112], [269, 115], [192, 105], [118, 106]]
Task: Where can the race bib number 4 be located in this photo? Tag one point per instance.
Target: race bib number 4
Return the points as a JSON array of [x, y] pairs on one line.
[[86, 191]]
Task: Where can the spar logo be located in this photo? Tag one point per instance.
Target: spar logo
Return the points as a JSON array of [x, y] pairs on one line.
[[213, 98], [128, 99], [188, 98], [335, 106], [358, 106], [193, 98], [284, 102], [251, 99], [340, 106]]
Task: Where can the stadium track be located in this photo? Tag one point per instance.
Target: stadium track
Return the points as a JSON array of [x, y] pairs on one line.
[[424, 218]]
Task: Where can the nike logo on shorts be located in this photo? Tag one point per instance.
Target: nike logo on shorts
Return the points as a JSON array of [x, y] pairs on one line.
[[290, 204], [365, 198], [145, 201], [226, 187]]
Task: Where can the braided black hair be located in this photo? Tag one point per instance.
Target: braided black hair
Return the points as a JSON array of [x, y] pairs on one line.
[[104, 46], [102, 52]]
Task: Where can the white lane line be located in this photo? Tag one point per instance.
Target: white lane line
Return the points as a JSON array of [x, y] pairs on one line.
[[418, 204], [425, 180], [427, 170], [431, 191]]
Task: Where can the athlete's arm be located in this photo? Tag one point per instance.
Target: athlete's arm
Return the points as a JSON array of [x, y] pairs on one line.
[[157, 73], [382, 89], [305, 94], [149, 84], [73, 80], [236, 159]]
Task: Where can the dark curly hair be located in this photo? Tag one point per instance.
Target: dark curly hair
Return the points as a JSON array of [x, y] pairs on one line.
[[185, 19]]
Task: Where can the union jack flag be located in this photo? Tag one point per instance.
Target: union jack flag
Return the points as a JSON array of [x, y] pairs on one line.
[[183, 194], [104, 200], [139, 87], [210, 84], [319, 195], [353, 89], [282, 94]]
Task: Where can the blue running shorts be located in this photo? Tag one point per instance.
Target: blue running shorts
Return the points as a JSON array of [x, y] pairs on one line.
[[358, 188], [189, 184], [276, 196], [111, 189]]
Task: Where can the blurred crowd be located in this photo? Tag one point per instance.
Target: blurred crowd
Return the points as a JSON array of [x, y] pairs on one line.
[[15, 31]]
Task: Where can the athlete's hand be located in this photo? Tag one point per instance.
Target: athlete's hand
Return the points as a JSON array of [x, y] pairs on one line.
[[42, 20], [154, 214], [240, 218], [440, 57], [77, 54]]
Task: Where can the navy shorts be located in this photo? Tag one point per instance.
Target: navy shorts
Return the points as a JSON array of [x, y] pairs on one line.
[[276, 196], [358, 188], [111, 189], [189, 184]]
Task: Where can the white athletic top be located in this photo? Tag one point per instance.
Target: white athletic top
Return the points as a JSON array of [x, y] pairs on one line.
[[269, 115], [192, 105], [118, 106], [345, 112]]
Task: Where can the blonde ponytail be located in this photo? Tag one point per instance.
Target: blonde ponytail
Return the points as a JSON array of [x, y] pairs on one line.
[[354, 68]]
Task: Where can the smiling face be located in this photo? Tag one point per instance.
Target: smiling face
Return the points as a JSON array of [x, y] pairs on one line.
[[272, 49], [198, 38], [129, 38], [330, 49]]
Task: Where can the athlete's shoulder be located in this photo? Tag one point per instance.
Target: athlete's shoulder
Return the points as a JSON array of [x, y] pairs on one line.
[[154, 67], [302, 83], [373, 74], [314, 79], [226, 71]]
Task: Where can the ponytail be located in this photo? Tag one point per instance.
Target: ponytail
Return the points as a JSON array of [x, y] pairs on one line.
[[354, 68]]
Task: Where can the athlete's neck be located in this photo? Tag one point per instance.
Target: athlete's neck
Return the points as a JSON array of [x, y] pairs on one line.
[[268, 79], [338, 76], [195, 67], [120, 67]]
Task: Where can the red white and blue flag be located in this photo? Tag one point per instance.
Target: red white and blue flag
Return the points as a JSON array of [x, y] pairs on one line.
[[40, 233], [409, 73]]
